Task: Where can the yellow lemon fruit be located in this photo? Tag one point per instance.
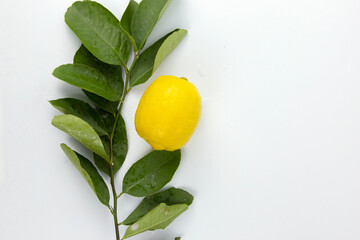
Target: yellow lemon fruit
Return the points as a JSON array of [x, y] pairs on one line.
[[168, 113]]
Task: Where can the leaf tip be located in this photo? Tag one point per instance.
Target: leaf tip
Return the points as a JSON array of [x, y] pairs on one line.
[[53, 121]]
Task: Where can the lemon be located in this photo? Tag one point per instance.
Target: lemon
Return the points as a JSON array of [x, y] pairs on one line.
[[168, 113]]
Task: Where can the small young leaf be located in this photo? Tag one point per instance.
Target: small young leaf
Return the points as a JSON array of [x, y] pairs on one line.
[[82, 110], [99, 30], [151, 173], [125, 21], [151, 58], [119, 148], [89, 172], [81, 131], [158, 218], [170, 196], [87, 78], [147, 14]]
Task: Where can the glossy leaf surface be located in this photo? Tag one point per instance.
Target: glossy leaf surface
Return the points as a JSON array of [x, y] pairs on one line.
[[125, 21], [158, 218], [87, 78], [119, 148], [120, 144], [145, 17], [151, 58], [82, 110], [151, 173], [170, 196], [89, 172], [99, 30], [102, 164], [102, 103], [113, 74], [81, 131]]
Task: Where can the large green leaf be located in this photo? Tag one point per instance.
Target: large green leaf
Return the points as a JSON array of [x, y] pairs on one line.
[[81, 131], [87, 78], [151, 58], [125, 21], [151, 173], [82, 110], [158, 218], [147, 14], [99, 30], [170, 196], [89, 172], [113, 74], [119, 149], [102, 103]]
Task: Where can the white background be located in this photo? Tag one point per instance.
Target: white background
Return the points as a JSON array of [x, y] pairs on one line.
[[276, 155]]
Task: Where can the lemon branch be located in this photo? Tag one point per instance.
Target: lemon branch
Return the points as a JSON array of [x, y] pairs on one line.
[[113, 210]]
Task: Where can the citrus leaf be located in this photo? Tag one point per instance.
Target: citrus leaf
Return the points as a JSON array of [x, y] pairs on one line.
[[151, 173], [109, 120], [87, 78], [158, 218], [120, 144], [145, 17], [167, 46], [89, 172], [125, 21], [102, 164], [82, 110], [113, 74], [170, 196], [102, 103], [151, 58], [119, 148], [99, 30], [81, 131]]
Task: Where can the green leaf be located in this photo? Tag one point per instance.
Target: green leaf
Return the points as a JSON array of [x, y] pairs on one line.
[[151, 58], [120, 144], [151, 173], [167, 46], [125, 21], [113, 74], [170, 196], [82, 110], [89, 172], [145, 18], [100, 162], [99, 30], [109, 120], [102, 103], [87, 78], [81, 131], [158, 218], [120, 148]]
